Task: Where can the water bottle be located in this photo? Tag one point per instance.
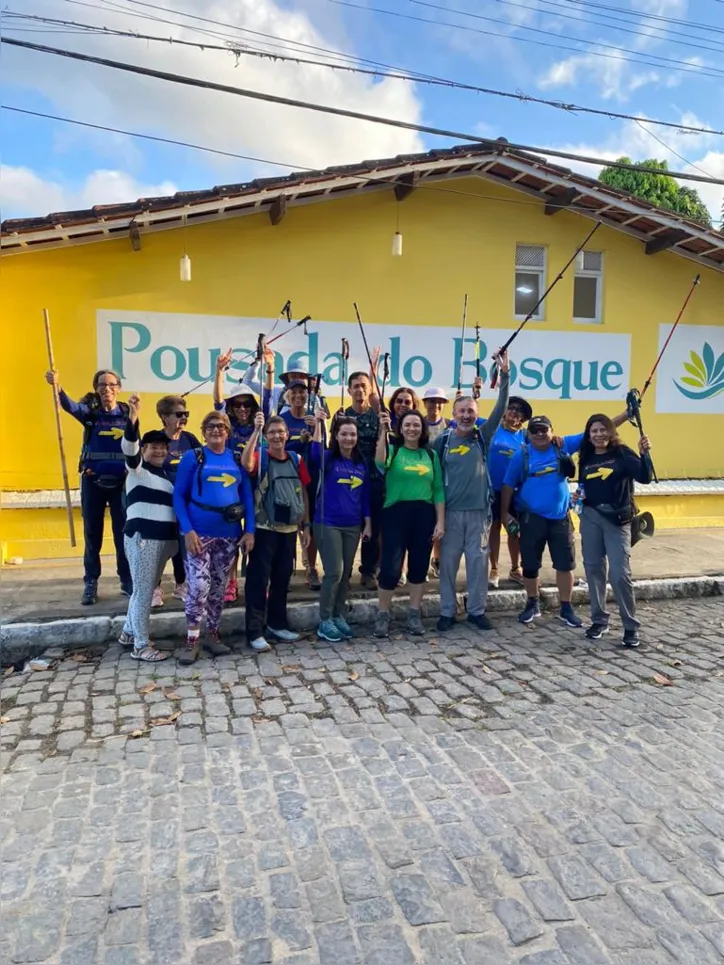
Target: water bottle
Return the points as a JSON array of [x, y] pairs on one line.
[[577, 499]]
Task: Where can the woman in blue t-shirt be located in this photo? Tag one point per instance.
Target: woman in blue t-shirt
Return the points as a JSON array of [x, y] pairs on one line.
[[506, 441], [211, 497], [342, 513]]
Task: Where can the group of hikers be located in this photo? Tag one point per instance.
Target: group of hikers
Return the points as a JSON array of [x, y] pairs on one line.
[[417, 491]]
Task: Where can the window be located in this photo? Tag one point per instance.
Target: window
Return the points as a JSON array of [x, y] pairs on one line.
[[587, 287], [530, 279]]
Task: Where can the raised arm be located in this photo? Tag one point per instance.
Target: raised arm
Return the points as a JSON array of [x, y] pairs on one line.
[[247, 456], [488, 429], [222, 364], [129, 443], [381, 450]]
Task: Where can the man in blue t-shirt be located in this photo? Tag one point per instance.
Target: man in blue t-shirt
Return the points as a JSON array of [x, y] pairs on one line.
[[538, 475]]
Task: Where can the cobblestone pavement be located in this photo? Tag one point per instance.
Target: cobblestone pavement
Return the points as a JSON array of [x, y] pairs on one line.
[[517, 796]]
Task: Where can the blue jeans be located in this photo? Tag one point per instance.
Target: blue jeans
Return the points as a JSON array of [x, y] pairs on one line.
[[93, 502]]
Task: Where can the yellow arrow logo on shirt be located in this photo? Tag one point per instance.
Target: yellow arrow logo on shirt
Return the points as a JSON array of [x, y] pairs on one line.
[[460, 450], [507, 452], [603, 472], [545, 471], [116, 433], [419, 469], [174, 462], [353, 482], [226, 478]]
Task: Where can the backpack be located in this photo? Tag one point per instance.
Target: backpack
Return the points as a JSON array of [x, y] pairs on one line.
[[278, 496], [396, 449], [93, 401], [566, 466]]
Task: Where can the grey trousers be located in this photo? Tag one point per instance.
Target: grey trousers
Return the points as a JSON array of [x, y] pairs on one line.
[[147, 559], [606, 551], [466, 532], [337, 546]]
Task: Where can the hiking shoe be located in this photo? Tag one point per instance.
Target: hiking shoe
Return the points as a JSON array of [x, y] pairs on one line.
[[414, 623], [126, 639], [231, 593], [493, 580], [288, 636], [180, 591], [532, 610], [569, 616], [596, 631], [445, 623], [344, 628], [157, 598], [480, 621], [127, 589], [368, 581], [214, 646], [260, 645], [313, 581], [435, 568], [631, 638], [516, 576], [327, 630], [381, 628], [90, 594]]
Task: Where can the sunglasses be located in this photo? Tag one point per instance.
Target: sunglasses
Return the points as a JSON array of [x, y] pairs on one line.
[[181, 415], [216, 427], [543, 431]]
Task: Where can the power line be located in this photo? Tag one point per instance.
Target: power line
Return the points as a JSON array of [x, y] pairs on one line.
[[644, 15], [393, 73], [285, 164], [265, 97]]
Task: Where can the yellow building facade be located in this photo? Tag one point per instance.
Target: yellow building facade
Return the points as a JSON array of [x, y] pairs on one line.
[[111, 305]]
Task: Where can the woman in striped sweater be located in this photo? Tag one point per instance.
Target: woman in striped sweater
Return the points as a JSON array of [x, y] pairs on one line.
[[150, 534]]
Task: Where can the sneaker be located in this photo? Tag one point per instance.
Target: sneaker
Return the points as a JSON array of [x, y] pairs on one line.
[[569, 616], [480, 621], [90, 594], [260, 645], [532, 610], [445, 623], [327, 630], [180, 591], [126, 639], [402, 580], [381, 628], [596, 631], [368, 581], [516, 576], [414, 623], [435, 568], [231, 593], [630, 638], [313, 581], [157, 599], [127, 589], [288, 636], [493, 580], [344, 628]]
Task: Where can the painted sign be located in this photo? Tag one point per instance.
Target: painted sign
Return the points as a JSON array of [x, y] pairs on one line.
[[164, 352], [690, 377]]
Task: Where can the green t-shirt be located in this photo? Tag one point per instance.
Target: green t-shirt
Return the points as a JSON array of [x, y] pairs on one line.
[[412, 474]]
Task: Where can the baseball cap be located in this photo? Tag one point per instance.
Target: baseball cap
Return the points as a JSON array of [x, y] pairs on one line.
[[297, 384], [539, 422], [435, 393]]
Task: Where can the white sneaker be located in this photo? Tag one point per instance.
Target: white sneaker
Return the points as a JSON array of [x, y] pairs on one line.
[[260, 645], [493, 580], [288, 636], [179, 591], [157, 600]]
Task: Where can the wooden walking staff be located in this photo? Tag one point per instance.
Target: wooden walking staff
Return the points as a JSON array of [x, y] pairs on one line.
[[59, 429]]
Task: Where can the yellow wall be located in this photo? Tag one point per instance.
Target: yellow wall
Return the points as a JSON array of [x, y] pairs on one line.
[[324, 256]]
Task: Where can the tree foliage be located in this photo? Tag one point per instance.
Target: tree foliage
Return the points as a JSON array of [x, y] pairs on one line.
[[659, 189]]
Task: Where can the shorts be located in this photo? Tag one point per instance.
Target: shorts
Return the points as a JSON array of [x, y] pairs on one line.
[[495, 507], [537, 532]]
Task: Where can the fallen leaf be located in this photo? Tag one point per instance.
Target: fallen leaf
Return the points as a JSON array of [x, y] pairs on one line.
[[677, 663], [9, 671], [663, 680], [719, 673], [601, 673], [170, 694], [4, 720], [138, 733], [148, 688], [159, 722], [290, 668], [79, 657], [257, 693], [354, 675], [195, 676], [487, 669], [258, 719]]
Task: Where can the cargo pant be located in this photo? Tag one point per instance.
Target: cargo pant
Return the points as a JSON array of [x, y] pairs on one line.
[[606, 552], [466, 532]]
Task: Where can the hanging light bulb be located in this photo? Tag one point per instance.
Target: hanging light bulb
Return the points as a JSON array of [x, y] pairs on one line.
[[185, 268], [397, 244]]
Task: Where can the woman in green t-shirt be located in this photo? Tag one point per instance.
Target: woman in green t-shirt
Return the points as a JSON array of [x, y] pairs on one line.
[[413, 515]]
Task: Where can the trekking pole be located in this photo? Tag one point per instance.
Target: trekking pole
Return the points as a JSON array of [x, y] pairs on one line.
[[345, 365], [59, 430], [647, 383], [462, 345], [546, 293], [385, 370], [383, 408], [633, 405], [476, 390]]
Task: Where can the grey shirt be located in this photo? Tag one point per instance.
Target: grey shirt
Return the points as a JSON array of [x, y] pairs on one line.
[[465, 473]]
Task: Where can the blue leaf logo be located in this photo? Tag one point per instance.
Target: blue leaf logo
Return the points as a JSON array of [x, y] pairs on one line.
[[705, 375]]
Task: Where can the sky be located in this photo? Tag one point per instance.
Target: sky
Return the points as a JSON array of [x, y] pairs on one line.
[[660, 59]]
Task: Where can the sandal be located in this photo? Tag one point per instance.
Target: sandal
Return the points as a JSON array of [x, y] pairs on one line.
[[187, 654], [516, 576], [126, 639], [148, 654]]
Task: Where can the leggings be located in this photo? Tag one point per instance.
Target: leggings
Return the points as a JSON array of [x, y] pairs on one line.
[[146, 558], [206, 576], [337, 546], [407, 527]]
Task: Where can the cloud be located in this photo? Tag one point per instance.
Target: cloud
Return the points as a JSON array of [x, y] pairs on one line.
[[614, 76], [24, 192], [224, 121]]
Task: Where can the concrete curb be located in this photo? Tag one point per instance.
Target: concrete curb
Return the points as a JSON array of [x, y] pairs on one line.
[[18, 641]]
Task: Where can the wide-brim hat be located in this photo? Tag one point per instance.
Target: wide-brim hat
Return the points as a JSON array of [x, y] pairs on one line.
[[525, 407], [242, 389], [436, 393], [301, 368]]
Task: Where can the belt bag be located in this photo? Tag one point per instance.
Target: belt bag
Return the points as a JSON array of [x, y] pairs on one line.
[[233, 513], [108, 481], [620, 515]]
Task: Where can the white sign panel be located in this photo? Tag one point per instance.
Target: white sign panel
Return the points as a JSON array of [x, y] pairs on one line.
[[167, 353], [690, 377]]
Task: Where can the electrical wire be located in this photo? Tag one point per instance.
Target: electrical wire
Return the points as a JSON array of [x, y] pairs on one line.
[[395, 73]]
